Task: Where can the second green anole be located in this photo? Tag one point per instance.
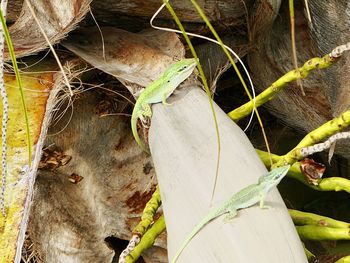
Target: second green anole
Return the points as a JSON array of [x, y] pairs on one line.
[[159, 91], [246, 197]]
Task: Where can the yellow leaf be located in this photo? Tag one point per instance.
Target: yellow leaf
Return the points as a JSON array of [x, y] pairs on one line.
[[37, 88]]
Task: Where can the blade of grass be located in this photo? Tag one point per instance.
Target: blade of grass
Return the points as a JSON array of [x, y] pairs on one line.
[[226, 49], [308, 10], [204, 80], [6, 108], [50, 46], [214, 41], [20, 85], [204, 17], [292, 35]]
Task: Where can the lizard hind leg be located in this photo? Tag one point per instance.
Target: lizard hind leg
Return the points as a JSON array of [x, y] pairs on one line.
[[231, 214], [146, 110], [144, 121], [145, 113]]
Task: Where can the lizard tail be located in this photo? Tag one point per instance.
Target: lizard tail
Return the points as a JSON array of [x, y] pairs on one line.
[[134, 118], [197, 228], [178, 253]]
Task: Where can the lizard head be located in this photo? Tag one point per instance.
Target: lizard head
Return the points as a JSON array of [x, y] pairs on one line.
[[274, 176], [185, 65], [180, 71]]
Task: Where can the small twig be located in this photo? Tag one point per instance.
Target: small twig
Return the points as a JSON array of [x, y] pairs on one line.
[[328, 129], [338, 51], [101, 34], [50, 45], [293, 41], [148, 213], [319, 147], [308, 10]]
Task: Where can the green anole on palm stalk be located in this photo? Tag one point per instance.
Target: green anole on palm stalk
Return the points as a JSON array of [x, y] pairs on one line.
[[159, 91], [246, 197]]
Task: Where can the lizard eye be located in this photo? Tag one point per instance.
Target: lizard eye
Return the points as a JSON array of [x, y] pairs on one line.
[[183, 68]]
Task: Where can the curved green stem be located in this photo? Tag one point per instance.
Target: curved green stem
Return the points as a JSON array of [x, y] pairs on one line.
[[204, 80], [20, 85], [345, 259], [148, 213], [147, 240], [310, 232], [292, 40], [304, 218], [269, 93], [216, 35]]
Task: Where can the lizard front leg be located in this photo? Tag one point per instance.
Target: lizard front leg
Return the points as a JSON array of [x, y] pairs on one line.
[[262, 201], [165, 96]]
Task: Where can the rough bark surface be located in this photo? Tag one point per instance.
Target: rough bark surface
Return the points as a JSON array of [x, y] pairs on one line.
[[56, 17], [70, 222], [135, 59], [225, 12]]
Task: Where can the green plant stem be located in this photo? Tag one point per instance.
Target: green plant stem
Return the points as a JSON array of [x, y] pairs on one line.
[[148, 213], [269, 93], [216, 35], [147, 240], [345, 259], [304, 218], [205, 83], [310, 232], [292, 36], [20, 85]]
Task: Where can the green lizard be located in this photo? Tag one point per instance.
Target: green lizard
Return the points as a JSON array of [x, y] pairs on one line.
[[246, 197], [159, 91]]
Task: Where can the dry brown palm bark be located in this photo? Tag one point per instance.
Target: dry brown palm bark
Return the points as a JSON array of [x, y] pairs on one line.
[[269, 57]]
